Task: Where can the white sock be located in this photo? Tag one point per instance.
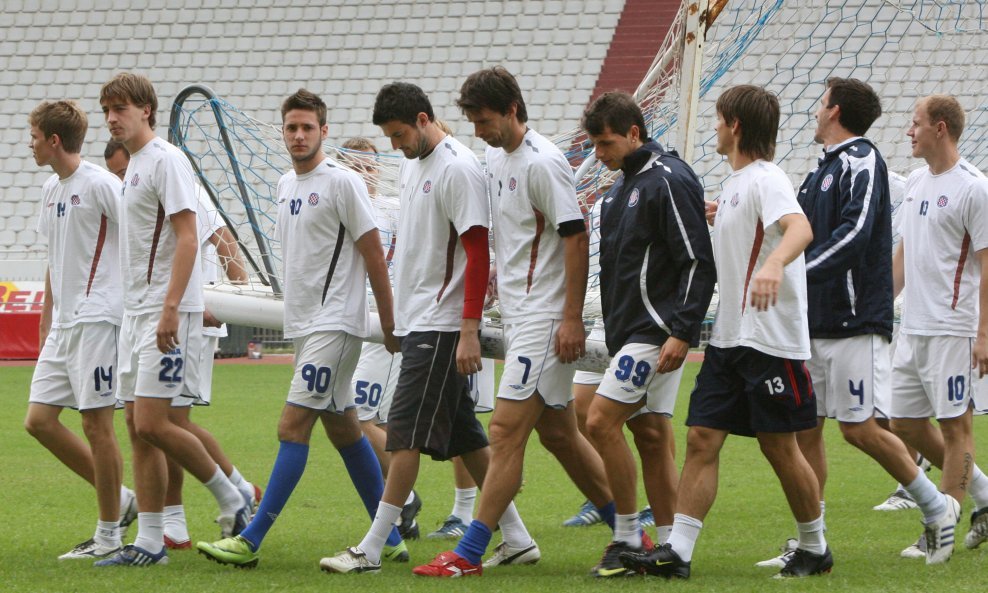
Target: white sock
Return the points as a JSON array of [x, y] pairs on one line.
[[628, 529], [662, 532], [175, 525], [927, 497], [823, 515], [245, 488], [150, 532], [513, 530], [107, 533], [463, 504], [685, 532], [225, 493], [372, 544], [978, 489], [811, 536]]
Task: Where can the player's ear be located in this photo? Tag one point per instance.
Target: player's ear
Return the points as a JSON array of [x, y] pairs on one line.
[[324, 130], [422, 119]]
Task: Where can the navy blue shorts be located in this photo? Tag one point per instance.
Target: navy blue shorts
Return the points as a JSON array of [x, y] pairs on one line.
[[744, 392], [432, 409]]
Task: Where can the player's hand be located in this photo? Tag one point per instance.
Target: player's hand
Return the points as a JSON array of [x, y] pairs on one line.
[[571, 340], [765, 286], [710, 210], [672, 355], [391, 343], [491, 288], [979, 356], [168, 330], [208, 320], [468, 353]]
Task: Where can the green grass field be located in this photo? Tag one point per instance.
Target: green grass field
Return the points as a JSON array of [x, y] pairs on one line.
[[46, 510]]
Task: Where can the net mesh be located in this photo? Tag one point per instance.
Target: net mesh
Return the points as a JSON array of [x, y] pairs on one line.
[[905, 50]]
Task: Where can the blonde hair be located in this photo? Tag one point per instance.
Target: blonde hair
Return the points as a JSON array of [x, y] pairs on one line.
[[946, 109]]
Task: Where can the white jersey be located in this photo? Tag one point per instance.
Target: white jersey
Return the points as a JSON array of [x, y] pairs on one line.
[[442, 196], [944, 223], [746, 231], [532, 192], [80, 216], [321, 215], [208, 221], [159, 183]]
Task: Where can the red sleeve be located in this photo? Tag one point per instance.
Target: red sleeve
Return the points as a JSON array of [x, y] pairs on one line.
[[478, 267]]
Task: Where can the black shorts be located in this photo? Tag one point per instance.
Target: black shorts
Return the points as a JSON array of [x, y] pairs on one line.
[[432, 409], [744, 391]]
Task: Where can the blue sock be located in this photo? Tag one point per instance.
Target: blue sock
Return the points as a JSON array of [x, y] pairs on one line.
[[365, 473], [287, 471], [607, 514], [474, 543]]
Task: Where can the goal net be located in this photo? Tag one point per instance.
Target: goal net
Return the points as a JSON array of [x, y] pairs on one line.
[[905, 50]]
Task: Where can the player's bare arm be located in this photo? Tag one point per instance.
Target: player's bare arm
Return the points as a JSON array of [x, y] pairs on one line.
[[979, 356], [369, 246], [898, 270], [186, 252], [796, 235], [44, 326], [571, 337], [228, 252]]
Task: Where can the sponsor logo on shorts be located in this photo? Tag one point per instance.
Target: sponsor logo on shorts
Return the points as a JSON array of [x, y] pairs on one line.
[[313, 199], [633, 199], [517, 387], [107, 394], [629, 389], [827, 182], [74, 199], [427, 186], [425, 346], [941, 201]]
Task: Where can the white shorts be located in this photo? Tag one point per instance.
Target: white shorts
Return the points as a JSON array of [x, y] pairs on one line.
[[77, 367], [144, 370], [374, 382], [851, 377], [587, 378], [531, 364], [631, 379], [482, 387], [932, 376], [324, 365], [199, 378]]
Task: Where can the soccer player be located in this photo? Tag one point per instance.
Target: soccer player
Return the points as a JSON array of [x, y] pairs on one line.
[[943, 340], [753, 381], [80, 319], [656, 281], [330, 247], [442, 264], [540, 244], [162, 320], [849, 283]]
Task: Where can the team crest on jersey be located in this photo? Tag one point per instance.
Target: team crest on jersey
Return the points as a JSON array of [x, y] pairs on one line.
[[827, 182], [74, 199], [313, 199], [941, 201], [427, 186], [633, 199], [512, 184], [735, 200], [135, 180]]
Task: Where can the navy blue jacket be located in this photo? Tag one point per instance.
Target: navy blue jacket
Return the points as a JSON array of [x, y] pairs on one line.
[[656, 264], [849, 263]]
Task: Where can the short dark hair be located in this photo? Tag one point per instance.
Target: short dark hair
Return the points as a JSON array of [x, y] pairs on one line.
[[615, 110], [758, 112], [858, 102], [946, 109], [401, 101], [492, 88], [133, 88], [64, 119], [112, 147], [307, 101]]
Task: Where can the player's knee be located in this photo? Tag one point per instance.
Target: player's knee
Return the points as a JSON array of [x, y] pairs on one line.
[[97, 430], [39, 427], [600, 429], [858, 434], [956, 429], [504, 435], [701, 443], [554, 439]]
